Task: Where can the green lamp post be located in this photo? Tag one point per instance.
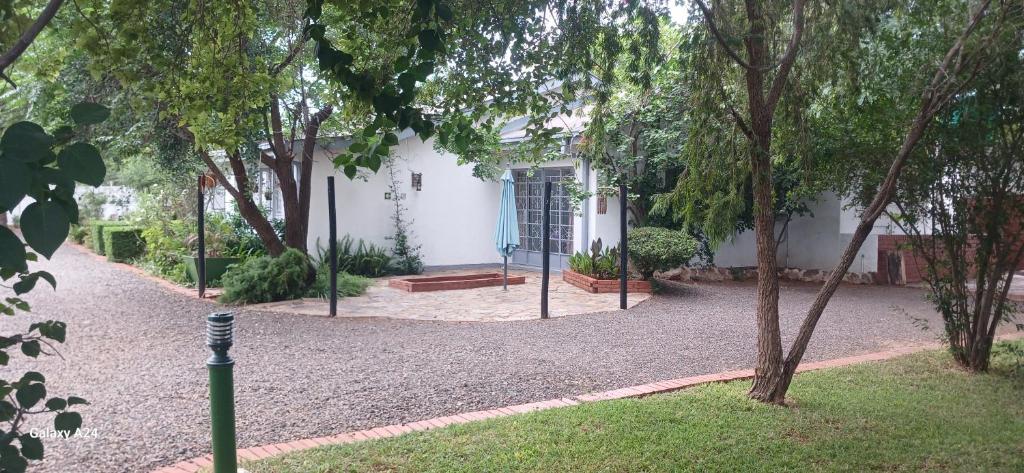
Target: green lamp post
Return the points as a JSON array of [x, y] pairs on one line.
[[219, 334]]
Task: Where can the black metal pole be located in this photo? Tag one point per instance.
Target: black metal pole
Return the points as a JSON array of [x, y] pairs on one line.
[[201, 223], [333, 222], [546, 249], [623, 247]]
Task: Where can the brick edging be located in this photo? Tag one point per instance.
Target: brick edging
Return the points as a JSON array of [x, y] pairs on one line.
[[185, 291], [194, 465]]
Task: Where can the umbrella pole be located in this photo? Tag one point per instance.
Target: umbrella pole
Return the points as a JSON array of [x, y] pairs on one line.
[[506, 272]]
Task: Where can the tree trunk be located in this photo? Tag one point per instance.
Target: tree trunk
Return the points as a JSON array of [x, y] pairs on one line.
[[239, 190]]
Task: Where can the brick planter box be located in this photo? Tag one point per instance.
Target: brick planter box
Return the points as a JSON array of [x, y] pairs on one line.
[[447, 283], [595, 286]]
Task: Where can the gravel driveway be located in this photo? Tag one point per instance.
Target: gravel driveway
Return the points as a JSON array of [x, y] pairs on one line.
[[136, 352]]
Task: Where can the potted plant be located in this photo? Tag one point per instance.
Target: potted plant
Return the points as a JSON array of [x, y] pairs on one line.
[[222, 247], [599, 271]]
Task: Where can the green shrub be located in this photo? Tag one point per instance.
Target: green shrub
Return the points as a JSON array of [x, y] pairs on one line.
[[360, 258], [79, 234], [123, 244], [96, 233], [659, 249], [166, 249], [349, 285], [267, 279]]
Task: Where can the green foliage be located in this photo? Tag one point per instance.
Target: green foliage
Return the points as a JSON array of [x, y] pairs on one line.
[[44, 167], [123, 244], [96, 228], [406, 257], [360, 258], [349, 285], [166, 248], [267, 279], [659, 249], [601, 263], [79, 234]]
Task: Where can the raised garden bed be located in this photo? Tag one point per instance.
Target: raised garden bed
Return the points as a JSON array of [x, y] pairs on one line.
[[447, 283], [596, 286]]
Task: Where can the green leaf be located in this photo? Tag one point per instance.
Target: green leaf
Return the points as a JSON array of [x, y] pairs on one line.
[[12, 251], [15, 179], [56, 404], [45, 226], [32, 376], [11, 460], [357, 147], [7, 411], [26, 142], [68, 422], [350, 171], [373, 162], [54, 330], [72, 401], [31, 447], [4, 358], [30, 348], [390, 139], [48, 277], [444, 12], [29, 395], [25, 284], [82, 162], [87, 113]]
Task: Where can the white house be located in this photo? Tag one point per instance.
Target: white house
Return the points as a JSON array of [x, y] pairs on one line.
[[453, 213]]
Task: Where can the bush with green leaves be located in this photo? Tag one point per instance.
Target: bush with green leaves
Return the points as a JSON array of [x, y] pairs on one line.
[[79, 234], [659, 249], [268, 279], [44, 167], [601, 263], [360, 258], [123, 244], [349, 285], [166, 249], [96, 228]]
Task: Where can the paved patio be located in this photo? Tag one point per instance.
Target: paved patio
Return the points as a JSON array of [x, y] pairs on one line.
[[485, 304]]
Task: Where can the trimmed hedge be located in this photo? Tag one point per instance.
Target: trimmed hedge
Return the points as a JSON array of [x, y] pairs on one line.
[[122, 244], [96, 234], [659, 249]]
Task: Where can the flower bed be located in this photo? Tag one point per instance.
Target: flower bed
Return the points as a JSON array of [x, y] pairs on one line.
[[596, 286], [447, 283]]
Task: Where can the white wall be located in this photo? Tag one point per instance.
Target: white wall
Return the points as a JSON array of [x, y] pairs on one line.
[[452, 217]]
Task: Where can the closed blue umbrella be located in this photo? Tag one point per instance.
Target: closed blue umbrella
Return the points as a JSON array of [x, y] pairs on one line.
[[506, 232]]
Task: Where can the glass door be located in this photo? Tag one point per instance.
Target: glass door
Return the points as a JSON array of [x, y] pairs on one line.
[[529, 207]]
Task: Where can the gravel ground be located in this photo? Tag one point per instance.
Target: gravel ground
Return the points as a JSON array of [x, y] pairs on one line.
[[136, 352]]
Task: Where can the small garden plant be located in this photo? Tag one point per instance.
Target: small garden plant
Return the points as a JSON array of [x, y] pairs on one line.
[[601, 263]]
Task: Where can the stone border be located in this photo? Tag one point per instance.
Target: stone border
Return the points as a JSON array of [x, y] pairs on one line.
[[197, 464], [211, 293]]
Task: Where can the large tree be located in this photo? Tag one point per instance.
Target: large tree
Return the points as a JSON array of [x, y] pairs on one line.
[[221, 78], [768, 58], [959, 199]]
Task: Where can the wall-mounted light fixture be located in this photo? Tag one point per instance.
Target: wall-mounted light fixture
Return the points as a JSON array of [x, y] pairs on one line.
[[417, 180]]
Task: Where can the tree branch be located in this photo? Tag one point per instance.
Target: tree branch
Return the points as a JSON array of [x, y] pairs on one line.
[[27, 37], [789, 57], [710, 20]]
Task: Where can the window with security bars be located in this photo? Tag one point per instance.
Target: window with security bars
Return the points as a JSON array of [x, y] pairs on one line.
[[529, 206]]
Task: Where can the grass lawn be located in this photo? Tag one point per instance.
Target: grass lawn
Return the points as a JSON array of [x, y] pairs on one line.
[[914, 413]]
